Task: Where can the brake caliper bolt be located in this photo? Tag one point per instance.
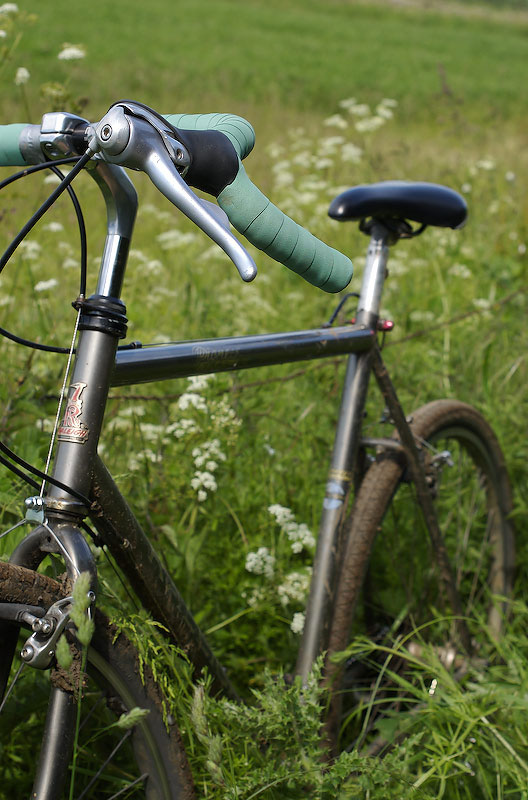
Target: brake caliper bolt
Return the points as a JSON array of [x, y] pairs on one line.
[[27, 653], [46, 626]]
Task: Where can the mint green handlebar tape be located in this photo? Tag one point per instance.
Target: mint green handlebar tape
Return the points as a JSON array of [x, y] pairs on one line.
[[238, 130], [10, 155], [269, 229]]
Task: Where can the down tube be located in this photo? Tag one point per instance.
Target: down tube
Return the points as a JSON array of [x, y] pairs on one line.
[[340, 475]]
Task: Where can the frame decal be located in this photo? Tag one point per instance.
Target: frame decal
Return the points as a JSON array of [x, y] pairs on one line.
[[72, 429]]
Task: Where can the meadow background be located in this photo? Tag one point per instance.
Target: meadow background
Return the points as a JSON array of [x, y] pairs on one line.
[[339, 93]]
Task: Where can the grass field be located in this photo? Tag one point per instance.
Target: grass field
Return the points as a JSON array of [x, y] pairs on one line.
[[457, 76]]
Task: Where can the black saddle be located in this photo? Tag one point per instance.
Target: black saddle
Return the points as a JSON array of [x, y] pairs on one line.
[[426, 203]]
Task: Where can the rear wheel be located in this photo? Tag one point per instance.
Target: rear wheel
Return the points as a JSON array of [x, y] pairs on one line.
[[144, 761], [387, 541]]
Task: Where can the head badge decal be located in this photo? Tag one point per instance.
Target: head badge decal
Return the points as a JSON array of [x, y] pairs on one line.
[[72, 429]]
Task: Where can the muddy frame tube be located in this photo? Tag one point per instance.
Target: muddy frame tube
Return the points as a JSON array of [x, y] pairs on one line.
[[114, 520]]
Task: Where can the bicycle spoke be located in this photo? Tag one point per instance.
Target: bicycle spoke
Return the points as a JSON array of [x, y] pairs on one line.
[[11, 687], [104, 765], [141, 779]]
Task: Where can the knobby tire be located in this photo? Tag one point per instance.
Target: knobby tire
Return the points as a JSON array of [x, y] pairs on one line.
[[380, 552]]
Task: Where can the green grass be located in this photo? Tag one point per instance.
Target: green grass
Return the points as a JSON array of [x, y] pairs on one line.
[[459, 76], [300, 55]]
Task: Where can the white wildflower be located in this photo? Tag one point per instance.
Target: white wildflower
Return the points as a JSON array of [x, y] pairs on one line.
[[368, 124], [281, 513], [297, 623], [284, 179], [302, 159], [118, 424], [421, 316], [154, 266], [299, 534], [347, 103], [294, 588], [43, 286], [212, 448], [510, 176], [191, 399], [465, 188], [460, 271], [135, 462], [336, 121], [202, 495], [269, 449], [47, 425], [312, 185], [323, 163], [482, 303], [260, 562], [390, 102], [280, 166], [521, 249], [359, 110], [22, 76], [3, 34], [8, 8], [182, 427], [136, 410], [197, 383], [223, 415], [137, 254], [257, 596], [71, 52], [328, 146], [384, 111], [150, 455], [274, 150], [306, 198], [169, 240], [151, 432], [30, 249], [487, 164], [70, 263], [50, 179], [53, 227], [204, 480], [351, 153]]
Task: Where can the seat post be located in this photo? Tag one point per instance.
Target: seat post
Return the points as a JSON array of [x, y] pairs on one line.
[[375, 272]]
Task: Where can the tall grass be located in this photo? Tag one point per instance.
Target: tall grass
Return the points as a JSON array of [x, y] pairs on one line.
[[458, 300]]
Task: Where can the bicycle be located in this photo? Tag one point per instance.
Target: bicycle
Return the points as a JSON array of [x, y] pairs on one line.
[[206, 152]]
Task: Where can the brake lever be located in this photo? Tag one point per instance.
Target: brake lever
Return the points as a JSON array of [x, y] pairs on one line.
[[129, 135]]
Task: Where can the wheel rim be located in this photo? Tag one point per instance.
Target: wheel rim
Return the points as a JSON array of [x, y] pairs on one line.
[[111, 762]]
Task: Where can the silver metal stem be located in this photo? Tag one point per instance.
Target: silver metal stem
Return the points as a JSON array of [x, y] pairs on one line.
[[121, 207]]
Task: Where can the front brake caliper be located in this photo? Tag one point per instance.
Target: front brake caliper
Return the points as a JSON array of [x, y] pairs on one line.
[[39, 649]]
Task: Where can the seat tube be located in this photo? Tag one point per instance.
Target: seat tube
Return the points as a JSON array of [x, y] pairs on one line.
[[324, 579]]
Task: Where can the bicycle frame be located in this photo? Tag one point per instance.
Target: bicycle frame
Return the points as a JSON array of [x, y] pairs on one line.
[[98, 366]]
